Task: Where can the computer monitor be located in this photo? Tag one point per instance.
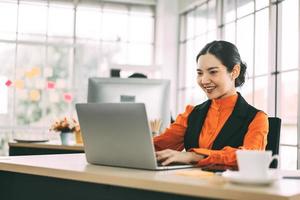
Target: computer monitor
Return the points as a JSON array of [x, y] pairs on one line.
[[154, 93]]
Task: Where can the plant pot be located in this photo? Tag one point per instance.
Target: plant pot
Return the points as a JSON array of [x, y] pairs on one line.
[[78, 137], [67, 138]]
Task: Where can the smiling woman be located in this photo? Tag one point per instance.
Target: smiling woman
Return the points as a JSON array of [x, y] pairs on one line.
[[211, 132]]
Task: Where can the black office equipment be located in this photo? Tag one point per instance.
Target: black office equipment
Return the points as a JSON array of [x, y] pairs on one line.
[[274, 138]]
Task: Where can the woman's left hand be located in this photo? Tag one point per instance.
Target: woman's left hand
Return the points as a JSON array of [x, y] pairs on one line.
[[168, 156]]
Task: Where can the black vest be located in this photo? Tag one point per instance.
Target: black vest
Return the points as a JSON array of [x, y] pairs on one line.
[[232, 133]]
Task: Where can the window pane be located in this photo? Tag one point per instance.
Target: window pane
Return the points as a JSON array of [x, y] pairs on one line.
[[201, 20], [142, 10], [115, 23], [182, 67], [7, 60], [30, 60], [118, 32], [61, 20], [229, 10], [200, 42], [8, 20], [181, 101], [229, 32], [290, 135], [29, 22], [288, 94], [140, 54], [194, 95], [121, 55], [183, 28], [288, 111], [261, 92], [261, 42], [289, 42], [115, 53], [3, 96], [212, 15], [190, 29], [190, 65], [87, 64], [141, 29], [247, 90], [212, 35], [288, 157], [88, 22], [245, 46], [261, 4], [59, 59], [244, 7]]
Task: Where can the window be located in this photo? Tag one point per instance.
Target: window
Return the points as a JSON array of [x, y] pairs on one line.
[[201, 26], [48, 49]]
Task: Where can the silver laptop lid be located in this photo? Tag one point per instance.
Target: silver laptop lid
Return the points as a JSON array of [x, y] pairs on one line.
[[117, 134]]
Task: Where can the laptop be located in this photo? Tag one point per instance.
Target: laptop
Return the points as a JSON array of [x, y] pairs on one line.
[[118, 134]]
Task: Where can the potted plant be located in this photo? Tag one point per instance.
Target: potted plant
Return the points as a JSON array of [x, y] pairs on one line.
[[67, 128]]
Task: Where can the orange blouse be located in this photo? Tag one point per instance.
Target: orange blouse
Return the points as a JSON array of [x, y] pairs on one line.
[[218, 113]]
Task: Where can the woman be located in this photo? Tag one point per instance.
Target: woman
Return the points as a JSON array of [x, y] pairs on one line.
[[212, 131]]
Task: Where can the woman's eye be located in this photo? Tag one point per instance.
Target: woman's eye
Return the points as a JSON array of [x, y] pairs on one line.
[[213, 72], [199, 73]]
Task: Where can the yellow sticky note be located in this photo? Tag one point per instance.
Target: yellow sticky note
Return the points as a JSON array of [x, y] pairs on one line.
[[36, 71], [34, 95], [195, 173], [19, 84], [29, 74]]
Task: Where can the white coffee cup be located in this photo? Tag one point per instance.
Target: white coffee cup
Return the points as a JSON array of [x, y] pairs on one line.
[[254, 164]]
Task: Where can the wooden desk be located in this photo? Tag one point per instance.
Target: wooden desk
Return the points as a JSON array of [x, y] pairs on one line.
[[70, 177], [18, 148]]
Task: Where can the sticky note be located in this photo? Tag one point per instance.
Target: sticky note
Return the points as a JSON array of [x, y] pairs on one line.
[[68, 97], [29, 74], [195, 173], [36, 71], [19, 84], [8, 83], [34, 95], [50, 85], [48, 72]]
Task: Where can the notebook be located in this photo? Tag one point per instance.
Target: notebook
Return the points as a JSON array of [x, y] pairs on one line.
[[118, 134]]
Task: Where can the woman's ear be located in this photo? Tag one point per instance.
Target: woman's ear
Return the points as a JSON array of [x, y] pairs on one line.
[[236, 71]]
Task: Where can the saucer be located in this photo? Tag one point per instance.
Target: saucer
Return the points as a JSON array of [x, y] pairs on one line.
[[235, 177]]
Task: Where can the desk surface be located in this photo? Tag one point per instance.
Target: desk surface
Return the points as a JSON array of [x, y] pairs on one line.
[[75, 167]]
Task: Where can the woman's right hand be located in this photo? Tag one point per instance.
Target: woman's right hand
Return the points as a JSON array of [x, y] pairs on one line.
[[168, 156]]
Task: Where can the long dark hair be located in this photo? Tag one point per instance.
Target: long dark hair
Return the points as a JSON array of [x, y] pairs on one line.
[[229, 55]]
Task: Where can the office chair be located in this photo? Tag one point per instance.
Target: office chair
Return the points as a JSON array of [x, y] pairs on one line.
[[274, 138]]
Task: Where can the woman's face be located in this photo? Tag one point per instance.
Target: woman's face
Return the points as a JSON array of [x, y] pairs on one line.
[[213, 77]]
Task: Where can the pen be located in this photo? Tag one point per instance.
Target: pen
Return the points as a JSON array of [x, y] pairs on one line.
[[291, 177]]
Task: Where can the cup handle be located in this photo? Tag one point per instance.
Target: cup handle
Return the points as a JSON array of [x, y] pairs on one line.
[[275, 157]]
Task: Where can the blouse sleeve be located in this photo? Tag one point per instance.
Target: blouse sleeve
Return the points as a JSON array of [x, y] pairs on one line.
[[255, 139], [173, 137]]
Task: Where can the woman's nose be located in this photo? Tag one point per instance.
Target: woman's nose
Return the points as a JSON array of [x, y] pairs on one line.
[[205, 79]]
